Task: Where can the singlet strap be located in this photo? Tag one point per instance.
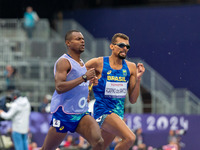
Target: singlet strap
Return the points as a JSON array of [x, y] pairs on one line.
[[106, 66], [106, 61]]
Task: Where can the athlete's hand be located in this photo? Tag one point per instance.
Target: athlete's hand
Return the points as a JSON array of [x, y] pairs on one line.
[[90, 74], [140, 70], [94, 81]]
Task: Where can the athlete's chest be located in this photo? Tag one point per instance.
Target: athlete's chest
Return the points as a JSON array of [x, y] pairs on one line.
[[121, 75], [116, 83]]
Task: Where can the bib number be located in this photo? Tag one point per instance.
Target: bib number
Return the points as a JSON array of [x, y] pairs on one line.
[[116, 89]]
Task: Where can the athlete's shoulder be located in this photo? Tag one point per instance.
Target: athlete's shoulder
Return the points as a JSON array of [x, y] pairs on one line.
[[62, 60], [94, 62], [63, 63], [97, 59], [130, 64]]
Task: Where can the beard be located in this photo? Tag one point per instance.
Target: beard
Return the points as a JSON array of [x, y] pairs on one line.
[[121, 57]]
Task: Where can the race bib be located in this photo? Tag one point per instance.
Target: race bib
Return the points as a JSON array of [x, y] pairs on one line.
[[98, 119], [116, 89], [56, 123]]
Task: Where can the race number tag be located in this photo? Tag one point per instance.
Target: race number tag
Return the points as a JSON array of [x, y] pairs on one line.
[[56, 123], [116, 89]]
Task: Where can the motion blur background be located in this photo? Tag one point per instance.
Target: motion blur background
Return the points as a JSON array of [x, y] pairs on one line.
[[164, 35]]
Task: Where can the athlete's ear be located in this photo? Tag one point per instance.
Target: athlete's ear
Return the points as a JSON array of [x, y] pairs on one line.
[[67, 43], [111, 46]]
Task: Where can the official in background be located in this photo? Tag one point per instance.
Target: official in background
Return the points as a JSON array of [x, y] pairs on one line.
[[19, 113]]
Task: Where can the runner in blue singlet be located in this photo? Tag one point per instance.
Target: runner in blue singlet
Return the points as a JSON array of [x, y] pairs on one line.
[[69, 102], [116, 77], [111, 90]]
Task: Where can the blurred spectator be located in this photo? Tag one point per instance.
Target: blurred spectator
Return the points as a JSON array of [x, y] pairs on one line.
[[10, 73], [171, 146], [172, 136], [69, 141], [19, 113], [139, 143], [45, 105], [83, 144], [174, 140], [30, 19], [57, 22], [33, 146]]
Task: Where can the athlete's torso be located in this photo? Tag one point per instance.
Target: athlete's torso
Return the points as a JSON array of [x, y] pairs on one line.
[[73, 101], [111, 90]]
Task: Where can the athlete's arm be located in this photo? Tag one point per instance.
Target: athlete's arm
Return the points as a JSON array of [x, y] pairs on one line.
[[134, 82], [62, 68], [96, 63], [133, 90]]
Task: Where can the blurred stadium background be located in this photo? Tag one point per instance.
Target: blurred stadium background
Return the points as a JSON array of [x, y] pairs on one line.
[[163, 35]]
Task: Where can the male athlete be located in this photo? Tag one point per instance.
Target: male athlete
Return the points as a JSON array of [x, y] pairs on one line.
[[116, 76], [69, 102]]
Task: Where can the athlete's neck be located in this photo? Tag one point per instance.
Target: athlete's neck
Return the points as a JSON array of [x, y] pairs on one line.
[[115, 62], [74, 56]]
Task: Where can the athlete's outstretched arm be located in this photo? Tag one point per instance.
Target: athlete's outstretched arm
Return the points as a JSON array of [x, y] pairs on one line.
[[62, 68], [134, 82]]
